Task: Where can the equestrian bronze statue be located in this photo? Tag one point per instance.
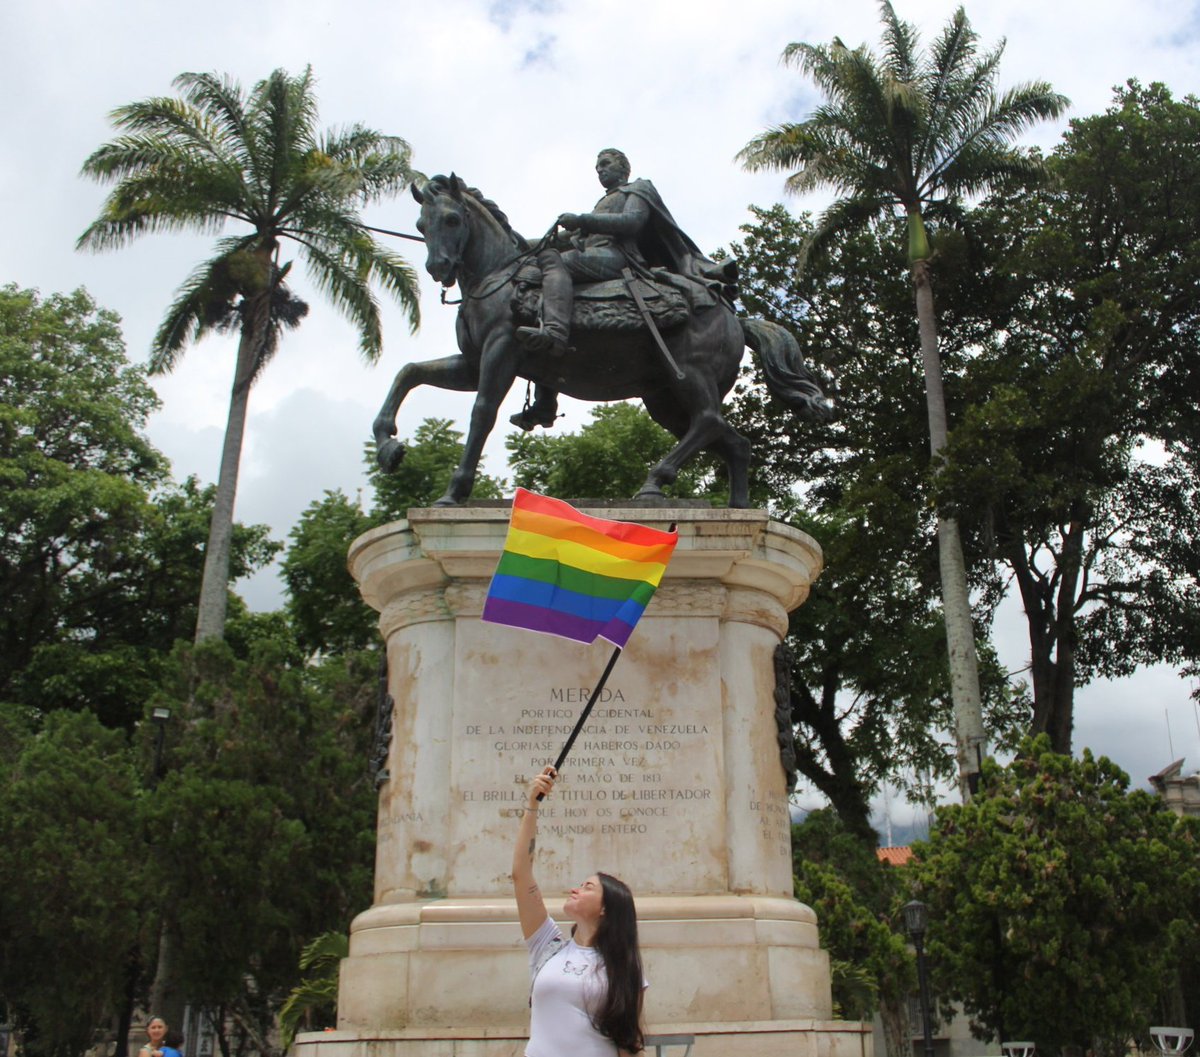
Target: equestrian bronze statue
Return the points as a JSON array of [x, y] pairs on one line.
[[623, 305]]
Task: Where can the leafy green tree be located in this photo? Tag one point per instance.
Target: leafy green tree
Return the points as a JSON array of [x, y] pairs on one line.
[[323, 603], [606, 459], [213, 154], [857, 901], [434, 451], [1078, 445], [913, 132], [263, 826], [100, 554], [70, 884], [1060, 901], [870, 687], [75, 464]]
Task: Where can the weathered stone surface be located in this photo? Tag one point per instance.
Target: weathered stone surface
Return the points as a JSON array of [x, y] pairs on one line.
[[675, 785]]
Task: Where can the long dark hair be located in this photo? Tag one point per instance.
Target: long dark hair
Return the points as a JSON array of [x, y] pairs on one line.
[[620, 1015]]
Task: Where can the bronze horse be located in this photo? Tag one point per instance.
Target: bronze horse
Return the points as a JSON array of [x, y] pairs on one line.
[[469, 241]]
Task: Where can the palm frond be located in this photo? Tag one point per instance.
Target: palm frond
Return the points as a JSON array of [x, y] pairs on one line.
[[342, 278], [204, 302], [979, 171], [1018, 109], [367, 258], [899, 44], [138, 153], [845, 217], [1021, 107], [399, 278], [951, 52], [941, 78], [188, 135], [327, 950], [159, 200], [305, 999], [284, 112], [814, 60], [169, 118], [775, 148], [967, 91], [382, 162], [222, 100], [904, 101]]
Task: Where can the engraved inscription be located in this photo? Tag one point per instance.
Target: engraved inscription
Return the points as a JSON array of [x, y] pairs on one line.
[[609, 784]]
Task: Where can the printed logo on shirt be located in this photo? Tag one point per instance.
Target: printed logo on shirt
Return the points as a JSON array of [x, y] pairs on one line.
[[573, 968]]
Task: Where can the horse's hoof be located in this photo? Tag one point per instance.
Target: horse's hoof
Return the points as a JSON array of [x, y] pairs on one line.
[[389, 455], [447, 500], [651, 492]]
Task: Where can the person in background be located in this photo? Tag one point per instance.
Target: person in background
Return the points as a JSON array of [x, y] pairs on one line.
[[160, 1041]]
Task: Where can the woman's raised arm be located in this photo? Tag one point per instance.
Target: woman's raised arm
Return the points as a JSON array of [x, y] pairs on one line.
[[531, 909]]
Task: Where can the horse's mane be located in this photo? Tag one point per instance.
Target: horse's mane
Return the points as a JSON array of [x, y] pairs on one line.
[[444, 185]]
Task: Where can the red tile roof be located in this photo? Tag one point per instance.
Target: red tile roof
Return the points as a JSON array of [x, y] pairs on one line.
[[894, 856]]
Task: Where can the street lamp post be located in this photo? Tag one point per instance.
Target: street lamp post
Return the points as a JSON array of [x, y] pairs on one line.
[[916, 920], [160, 716]]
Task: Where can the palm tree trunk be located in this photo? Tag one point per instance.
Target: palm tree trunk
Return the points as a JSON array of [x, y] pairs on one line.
[[214, 585], [970, 741]]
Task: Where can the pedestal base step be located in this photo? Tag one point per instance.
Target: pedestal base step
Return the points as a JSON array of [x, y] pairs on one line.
[[777, 1038]]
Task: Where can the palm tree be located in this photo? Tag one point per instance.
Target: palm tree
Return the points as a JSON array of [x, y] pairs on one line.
[[214, 155], [318, 992], [917, 132]]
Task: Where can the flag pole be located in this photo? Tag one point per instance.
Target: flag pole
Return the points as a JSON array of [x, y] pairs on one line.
[[586, 710]]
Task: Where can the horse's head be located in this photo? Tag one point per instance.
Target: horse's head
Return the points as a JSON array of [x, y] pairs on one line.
[[445, 223]]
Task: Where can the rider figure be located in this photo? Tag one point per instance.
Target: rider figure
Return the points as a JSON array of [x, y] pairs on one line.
[[597, 252], [629, 227]]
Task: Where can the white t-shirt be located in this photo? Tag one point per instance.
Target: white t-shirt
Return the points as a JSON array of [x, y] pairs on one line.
[[566, 993]]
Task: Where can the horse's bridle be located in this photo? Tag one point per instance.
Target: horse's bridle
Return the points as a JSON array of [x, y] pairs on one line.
[[516, 262]]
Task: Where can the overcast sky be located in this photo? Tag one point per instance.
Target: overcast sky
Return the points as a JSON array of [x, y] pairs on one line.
[[516, 96]]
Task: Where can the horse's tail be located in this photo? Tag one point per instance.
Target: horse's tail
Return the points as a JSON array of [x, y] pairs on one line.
[[787, 376]]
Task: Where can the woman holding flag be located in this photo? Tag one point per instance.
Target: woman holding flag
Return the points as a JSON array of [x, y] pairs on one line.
[[586, 995]]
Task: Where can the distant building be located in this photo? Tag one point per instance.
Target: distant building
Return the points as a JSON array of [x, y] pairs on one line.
[[1181, 794]]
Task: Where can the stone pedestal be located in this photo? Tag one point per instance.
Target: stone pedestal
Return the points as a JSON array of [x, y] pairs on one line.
[[675, 785]]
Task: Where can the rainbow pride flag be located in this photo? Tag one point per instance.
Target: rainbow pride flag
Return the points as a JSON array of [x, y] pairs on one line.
[[566, 573]]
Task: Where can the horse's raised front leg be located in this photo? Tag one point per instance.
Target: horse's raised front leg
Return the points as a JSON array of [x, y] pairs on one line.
[[497, 371], [450, 372]]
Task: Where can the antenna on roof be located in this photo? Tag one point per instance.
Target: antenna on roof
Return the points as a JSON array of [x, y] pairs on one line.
[[1170, 743], [887, 815]]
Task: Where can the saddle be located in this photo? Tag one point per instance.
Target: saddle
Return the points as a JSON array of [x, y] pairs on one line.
[[607, 305]]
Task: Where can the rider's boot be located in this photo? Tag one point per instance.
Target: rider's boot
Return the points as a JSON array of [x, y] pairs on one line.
[[542, 412], [558, 297]]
